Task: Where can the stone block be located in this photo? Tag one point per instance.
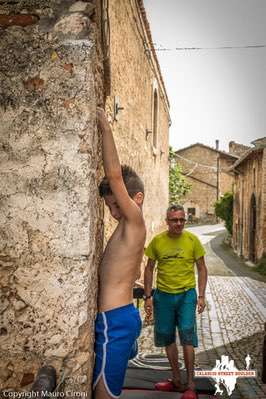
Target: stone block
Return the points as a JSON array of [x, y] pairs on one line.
[[17, 20], [73, 26], [82, 7]]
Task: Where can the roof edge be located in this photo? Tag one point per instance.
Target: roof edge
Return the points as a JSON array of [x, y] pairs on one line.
[[244, 156], [149, 35], [210, 148]]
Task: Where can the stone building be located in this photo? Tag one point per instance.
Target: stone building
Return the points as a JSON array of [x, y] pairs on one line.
[[206, 169], [249, 216], [59, 59], [138, 107]]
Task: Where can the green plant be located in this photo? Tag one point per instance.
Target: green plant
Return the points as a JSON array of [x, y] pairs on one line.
[[224, 210], [261, 266], [178, 186]]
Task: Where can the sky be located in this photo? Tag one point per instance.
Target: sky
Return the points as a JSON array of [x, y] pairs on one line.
[[214, 94]]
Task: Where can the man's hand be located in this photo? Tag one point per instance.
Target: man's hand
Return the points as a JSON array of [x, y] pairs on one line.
[[148, 278], [201, 304], [202, 282], [148, 307], [102, 119]]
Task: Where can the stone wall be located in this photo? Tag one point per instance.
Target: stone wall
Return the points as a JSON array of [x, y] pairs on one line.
[[134, 78], [226, 178], [263, 205], [50, 229], [249, 180], [200, 163]]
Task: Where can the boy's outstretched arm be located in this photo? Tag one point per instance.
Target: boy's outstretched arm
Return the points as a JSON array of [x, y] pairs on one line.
[[113, 172]]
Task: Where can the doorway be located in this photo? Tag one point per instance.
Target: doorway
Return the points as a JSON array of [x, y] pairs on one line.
[[252, 229]]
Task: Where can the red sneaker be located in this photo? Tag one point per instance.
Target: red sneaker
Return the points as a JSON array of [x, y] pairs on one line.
[[189, 394], [169, 386]]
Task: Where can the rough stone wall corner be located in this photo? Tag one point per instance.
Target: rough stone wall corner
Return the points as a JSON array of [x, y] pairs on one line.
[[50, 227]]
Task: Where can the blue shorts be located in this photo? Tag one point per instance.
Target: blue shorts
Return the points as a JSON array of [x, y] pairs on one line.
[[116, 332], [175, 310]]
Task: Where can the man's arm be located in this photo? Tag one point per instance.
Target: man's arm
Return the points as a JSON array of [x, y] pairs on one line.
[[148, 279], [202, 282], [112, 169]]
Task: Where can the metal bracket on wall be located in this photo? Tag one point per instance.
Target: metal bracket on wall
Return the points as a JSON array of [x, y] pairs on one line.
[[117, 108], [147, 133]]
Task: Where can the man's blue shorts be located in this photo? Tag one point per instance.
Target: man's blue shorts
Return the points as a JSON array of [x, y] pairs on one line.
[[116, 332], [175, 310]]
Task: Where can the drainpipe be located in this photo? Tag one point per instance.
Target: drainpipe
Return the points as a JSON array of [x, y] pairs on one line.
[[218, 170], [217, 174]]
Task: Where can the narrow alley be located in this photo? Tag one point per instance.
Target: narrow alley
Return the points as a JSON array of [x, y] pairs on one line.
[[233, 322]]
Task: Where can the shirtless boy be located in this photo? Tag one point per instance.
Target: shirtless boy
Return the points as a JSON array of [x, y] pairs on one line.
[[118, 323]]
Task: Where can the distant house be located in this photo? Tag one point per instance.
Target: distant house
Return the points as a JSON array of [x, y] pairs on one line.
[[206, 169], [249, 221]]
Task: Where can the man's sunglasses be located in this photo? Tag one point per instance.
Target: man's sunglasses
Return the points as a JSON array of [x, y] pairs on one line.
[[176, 220]]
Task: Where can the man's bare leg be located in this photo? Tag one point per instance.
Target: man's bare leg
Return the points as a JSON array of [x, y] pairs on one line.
[[100, 391], [172, 354], [189, 357]]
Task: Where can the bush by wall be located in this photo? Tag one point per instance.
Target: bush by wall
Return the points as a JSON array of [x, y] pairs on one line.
[[178, 185], [224, 210]]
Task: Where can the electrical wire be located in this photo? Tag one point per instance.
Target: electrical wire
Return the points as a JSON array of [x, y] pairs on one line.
[[192, 170], [196, 163], [252, 46], [211, 169]]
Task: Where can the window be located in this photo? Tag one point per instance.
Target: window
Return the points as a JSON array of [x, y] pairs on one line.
[[191, 211], [155, 99]]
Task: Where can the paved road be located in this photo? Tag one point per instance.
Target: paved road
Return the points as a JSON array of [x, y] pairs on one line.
[[233, 323]]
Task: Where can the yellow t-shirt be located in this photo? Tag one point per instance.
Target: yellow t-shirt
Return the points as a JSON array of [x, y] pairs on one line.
[[175, 257]]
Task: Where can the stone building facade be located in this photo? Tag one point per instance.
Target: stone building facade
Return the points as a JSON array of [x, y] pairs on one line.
[[206, 169], [249, 216], [138, 108], [57, 64]]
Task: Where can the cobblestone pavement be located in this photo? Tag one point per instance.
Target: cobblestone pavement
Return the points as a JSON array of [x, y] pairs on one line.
[[232, 325]]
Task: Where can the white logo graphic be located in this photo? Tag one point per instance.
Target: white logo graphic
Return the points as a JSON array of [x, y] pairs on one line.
[[225, 374], [247, 360]]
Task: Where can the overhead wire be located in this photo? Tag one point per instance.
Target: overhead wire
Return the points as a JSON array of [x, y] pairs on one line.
[[197, 164], [251, 46], [192, 170]]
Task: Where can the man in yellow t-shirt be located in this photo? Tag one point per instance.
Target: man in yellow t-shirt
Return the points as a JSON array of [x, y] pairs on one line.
[[175, 299]]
